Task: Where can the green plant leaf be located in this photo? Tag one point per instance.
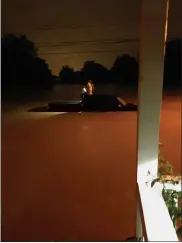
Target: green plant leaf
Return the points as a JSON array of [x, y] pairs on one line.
[[177, 215], [163, 193], [159, 171], [174, 222], [171, 213], [179, 231], [180, 218], [175, 194], [169, 169], [154, 181], [179, 212], [180, 195]]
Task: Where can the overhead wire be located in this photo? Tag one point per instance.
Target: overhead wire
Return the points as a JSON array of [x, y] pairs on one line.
[[81, 42], [55, 27], [80, 52]]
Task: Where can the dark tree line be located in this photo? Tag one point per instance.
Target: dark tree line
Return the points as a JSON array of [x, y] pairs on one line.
[[172, 65], [124, 70], [23, 72]]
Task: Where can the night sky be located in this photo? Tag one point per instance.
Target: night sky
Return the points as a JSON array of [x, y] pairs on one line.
[[73, 31]]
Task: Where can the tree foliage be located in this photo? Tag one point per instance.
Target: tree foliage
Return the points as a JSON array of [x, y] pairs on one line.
[[67, 75], [172, 64], [22, 70], [94, 71], [125, 69]]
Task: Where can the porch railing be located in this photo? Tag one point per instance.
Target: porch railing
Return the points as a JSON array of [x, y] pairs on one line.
[[153, 219]]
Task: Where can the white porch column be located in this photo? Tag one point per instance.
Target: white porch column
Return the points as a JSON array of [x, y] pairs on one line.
[[153, 210], [152, 41]]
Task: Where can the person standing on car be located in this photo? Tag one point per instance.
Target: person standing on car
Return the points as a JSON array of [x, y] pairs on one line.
[[90, 87]]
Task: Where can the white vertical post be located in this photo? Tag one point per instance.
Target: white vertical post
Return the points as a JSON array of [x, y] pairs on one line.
[[152, 42], [154, 18]]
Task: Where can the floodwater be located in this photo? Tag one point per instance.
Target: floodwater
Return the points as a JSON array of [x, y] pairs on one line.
[[72, 177]]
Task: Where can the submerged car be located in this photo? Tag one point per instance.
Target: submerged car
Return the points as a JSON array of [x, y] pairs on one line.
[[93, 103]]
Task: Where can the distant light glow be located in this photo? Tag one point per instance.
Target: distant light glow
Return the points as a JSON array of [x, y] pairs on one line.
[[166, 25], [16, 116]]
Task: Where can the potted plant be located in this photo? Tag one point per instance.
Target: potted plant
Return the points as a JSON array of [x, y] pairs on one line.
[[172, 197]]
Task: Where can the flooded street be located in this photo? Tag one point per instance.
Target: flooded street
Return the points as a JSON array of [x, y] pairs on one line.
[[72, 177]]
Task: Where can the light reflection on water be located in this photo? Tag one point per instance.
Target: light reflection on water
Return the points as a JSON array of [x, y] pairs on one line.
[[66, 92]]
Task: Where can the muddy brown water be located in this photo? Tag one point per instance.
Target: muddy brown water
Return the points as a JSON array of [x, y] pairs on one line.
[[72, 177]]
